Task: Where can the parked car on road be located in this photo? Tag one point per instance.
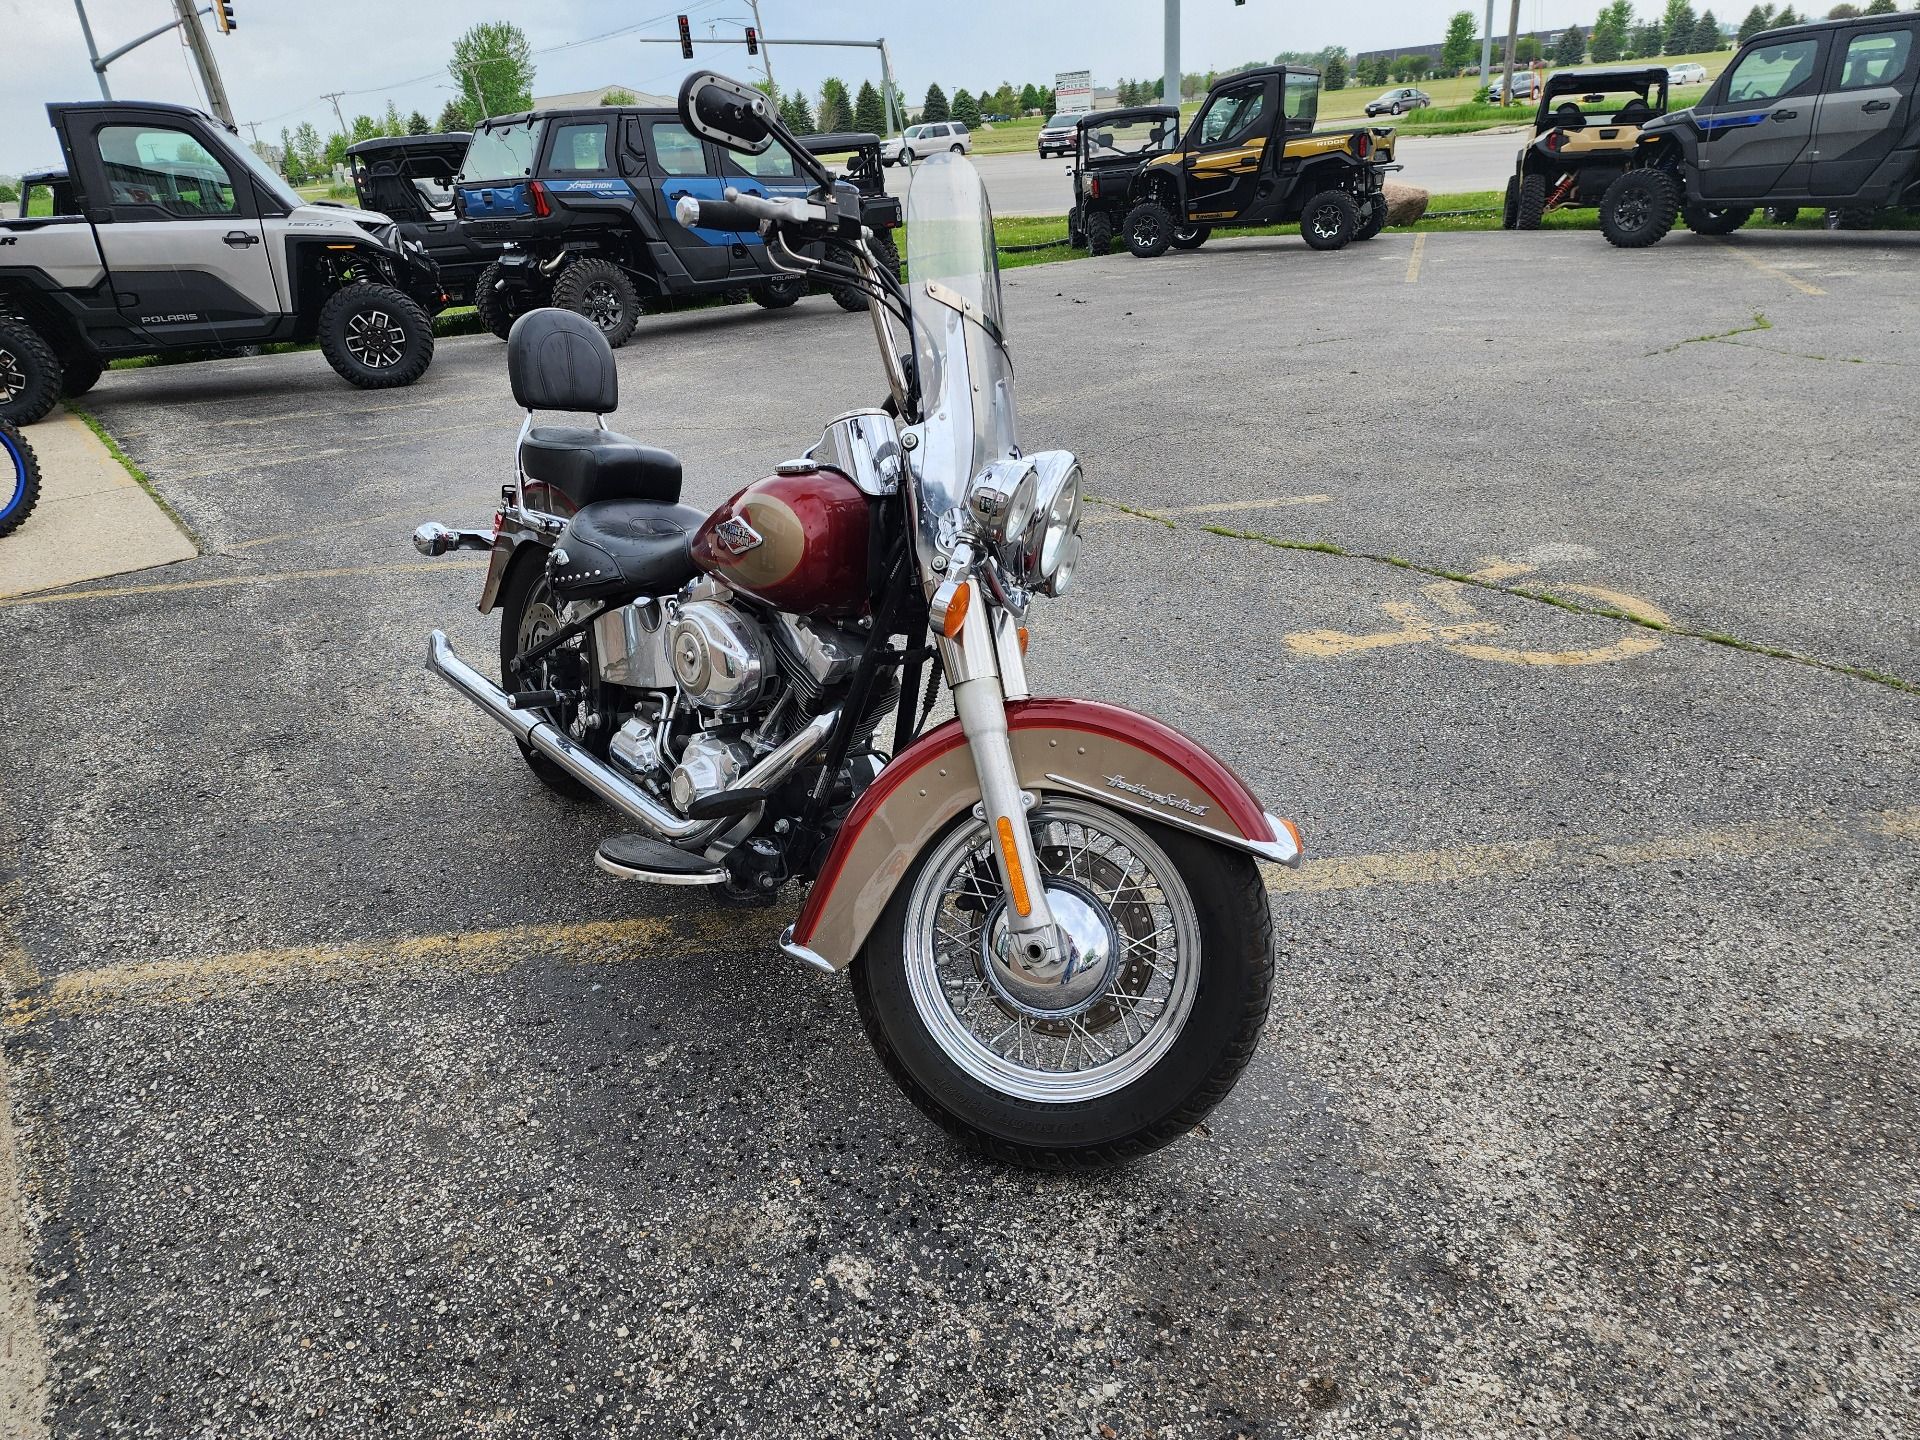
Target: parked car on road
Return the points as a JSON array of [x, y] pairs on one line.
[[1057, 135], [923, 140], [1527, 85], [1689, 73], [1808, 115], [1398, 102]]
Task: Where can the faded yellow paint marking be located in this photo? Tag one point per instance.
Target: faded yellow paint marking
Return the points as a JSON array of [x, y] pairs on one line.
[[1139, 512], [332, 572], [1900, 824], [1462, 633], [1419, 253], [1774, 270], [327, 529]]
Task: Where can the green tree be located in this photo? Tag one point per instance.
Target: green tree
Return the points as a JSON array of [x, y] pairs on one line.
[[1786, 16], [1030, 98], [1706, 32], [797, 115], [1843, 12], [1526, 49], [869, 110], [310, 148], [1881, 7], [965, 109], [1334, 76], [836, 106], [619, 95], [365, 127], [391, 123], [1609, 39], [1456, 51], [1676, 27], [336, 151], [934, 107], [493, 67], [1571, 47], [1644, 40], [418, 124], [290, 159], [453, 118], [1005, 101], [1756, 21]]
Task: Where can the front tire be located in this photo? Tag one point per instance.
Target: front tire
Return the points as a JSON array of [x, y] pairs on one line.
[[1373, 218], [1330, 220], [1639, 209], [1533, 203], [528, 616], [19, 478], [30, 374], [1191, 237], [1149, 228], [1166, 1011], [600, 291], [80, 371], [1704, 220], [374, 337]]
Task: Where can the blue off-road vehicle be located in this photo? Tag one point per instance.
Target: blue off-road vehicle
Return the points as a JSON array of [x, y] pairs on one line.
[[584, 203]]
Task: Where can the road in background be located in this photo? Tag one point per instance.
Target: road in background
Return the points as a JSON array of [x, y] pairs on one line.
[[1443, 164]]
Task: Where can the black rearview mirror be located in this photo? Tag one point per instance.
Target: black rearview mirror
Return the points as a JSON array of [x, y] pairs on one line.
[[725, 112]]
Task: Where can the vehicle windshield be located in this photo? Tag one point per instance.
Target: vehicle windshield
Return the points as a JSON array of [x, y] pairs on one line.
[[267, 178], [1127, 138], [502, 152], [960, 356], [1061, 122]]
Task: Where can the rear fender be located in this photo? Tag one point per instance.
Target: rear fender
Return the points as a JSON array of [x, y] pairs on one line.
[[1060, 747]]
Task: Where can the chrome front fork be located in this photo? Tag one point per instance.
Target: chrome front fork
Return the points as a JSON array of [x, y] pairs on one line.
[[984, 668]]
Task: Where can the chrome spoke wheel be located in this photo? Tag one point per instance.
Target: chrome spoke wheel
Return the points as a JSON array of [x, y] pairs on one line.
[[13, 379], [1088, 1024], [375, 339]]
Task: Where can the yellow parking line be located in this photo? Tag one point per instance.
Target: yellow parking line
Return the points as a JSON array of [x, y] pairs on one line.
[[1774, 270], [1413, 261], [190, 980], [220, 581]]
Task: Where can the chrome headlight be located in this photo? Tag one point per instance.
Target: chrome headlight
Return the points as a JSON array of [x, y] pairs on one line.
[[1003, 500], [1053, 540]]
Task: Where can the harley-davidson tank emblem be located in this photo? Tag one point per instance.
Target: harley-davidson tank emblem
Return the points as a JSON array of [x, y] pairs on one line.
[[736, 536], [1172, 802]]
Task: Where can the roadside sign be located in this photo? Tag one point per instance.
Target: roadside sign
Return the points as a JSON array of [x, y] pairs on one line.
[[1072, 91]]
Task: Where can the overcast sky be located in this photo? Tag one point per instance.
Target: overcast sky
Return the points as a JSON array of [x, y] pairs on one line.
[[286, 52]]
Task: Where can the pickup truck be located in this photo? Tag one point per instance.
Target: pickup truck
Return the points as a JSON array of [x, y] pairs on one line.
[[171, 235]]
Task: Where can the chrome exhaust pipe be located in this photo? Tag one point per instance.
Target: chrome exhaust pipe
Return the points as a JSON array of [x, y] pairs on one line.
[[619, 792]]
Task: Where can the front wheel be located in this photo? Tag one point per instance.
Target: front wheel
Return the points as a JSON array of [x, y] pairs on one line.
[[1510, 208], [1533, 203], [906, 156], [1119, 1049], [374, 337], [30, 374], [1149, 227], [1639, 209], [19, 478], [1330, 220], [1782, 214], [1373, 218]]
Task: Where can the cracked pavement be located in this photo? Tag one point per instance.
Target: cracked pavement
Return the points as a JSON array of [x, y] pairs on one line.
[[348, 1099]]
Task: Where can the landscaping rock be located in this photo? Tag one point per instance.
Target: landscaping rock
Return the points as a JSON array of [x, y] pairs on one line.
[[1405, 203]]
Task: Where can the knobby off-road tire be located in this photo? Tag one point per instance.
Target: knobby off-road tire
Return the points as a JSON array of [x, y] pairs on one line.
[[1214, 895], [1330, 220], [1639, 209], [1149, 229], [1373, 218], [499, 308], [1849, 218], [1781, 214], [886, 253], [30, 374], [1705, 220], [80, 371], [777, 294], [375, 337], [600, 291], [1099, 233], [1533, 203], [527, 616], [1191, 237], [1510, 210], [847, 295], [19, 478]]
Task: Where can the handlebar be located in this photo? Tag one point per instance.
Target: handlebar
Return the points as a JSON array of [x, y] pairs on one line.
[[744, 212]]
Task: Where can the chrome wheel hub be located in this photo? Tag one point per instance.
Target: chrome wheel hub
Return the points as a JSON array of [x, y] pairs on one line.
[[1070, 985], [375, 339]]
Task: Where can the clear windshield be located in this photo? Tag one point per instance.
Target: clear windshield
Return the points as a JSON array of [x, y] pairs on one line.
[[960, 355], [502, 152]]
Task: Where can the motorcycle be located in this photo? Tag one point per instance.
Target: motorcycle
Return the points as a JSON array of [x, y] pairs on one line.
[[19, 478], [1050, 910]]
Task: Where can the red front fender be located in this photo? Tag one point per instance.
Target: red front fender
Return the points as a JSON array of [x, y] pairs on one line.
[[1063, 747]]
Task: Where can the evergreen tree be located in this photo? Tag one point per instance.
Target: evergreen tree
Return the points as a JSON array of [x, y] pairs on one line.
[[797, 115], [965, 110], [1031, 98], [312, 150], [836, 107], [1786, 17], [418, 124], [453, 118], [1843, 12], [934, 107], [290, 159], [869, 110], [1755, 22], [1334, 76], [1676, 27], [1881, 7], [1570, 48]]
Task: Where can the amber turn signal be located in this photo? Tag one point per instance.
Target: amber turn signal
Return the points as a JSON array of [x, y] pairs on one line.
[[956, 612]]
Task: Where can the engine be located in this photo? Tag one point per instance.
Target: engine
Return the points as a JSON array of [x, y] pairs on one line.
[[724, 681]]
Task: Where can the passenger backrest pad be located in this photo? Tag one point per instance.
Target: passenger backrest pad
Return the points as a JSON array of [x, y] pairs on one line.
[[557, 360]]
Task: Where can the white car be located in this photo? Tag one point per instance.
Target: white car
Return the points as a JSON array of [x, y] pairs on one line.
[[1687, 74], [921, 141]]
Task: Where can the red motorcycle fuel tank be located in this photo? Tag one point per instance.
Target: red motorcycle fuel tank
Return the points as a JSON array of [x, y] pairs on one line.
[[797, 540]]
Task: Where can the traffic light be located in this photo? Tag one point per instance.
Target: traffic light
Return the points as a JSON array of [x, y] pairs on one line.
[[223, 16], [686, 39], [753, 41]]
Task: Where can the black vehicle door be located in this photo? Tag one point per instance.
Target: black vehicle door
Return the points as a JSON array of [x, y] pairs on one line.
[[1865, 108], [1756, 123], [681, 165], [1224, 149], [179, 228]]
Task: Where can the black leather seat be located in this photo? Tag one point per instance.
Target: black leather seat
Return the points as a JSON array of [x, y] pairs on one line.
[[622, 548], [591, 465]]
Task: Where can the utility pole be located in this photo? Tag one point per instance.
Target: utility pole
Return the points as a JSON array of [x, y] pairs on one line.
[[766, 55], [203, 57], [1486, 47], [334, 96], [1172, 80], [1513, 34], [93, 51]]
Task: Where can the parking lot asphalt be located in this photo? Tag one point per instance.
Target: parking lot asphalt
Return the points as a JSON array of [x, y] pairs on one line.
[[349, 1099]]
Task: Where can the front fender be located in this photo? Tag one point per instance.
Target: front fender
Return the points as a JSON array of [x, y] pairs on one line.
[[1060, 747]]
